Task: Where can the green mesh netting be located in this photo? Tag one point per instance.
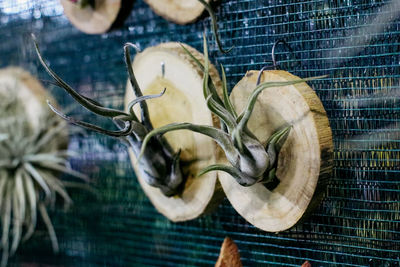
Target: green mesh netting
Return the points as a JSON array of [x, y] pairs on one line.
[[355, 42]]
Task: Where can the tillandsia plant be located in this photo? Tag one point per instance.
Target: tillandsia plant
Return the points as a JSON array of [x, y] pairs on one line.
[[251, 162], [31, 158], [159, 165]]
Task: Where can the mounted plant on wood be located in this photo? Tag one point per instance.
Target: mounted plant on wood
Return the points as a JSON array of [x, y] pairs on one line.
[[176, 71], [304, 163], [251, 158], [33, 153], [167, 168], [96, 16]]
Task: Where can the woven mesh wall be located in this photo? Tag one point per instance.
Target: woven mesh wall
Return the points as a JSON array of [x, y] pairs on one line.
[[355, 42]]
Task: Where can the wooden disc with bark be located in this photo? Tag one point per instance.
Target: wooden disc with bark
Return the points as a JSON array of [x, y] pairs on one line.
[[168, 66], [105, 15], [304, 162], [178, 11], [31, 92]]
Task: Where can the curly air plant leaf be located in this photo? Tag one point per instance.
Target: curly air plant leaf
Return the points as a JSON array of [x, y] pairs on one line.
[[214, 26], [30, 160], [250, 161], [160, 165]]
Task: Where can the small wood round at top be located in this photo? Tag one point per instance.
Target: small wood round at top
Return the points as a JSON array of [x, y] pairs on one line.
[[105, 15], [178, 11], [305, 160]]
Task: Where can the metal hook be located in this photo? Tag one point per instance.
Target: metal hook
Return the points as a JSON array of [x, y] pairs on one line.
[[273, 51], [163, 69], [274, 65]]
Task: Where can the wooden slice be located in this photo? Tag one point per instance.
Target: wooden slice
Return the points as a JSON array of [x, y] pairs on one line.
[[105, 15], [304, 162], [29, 90], [182, 102], [178, 11]]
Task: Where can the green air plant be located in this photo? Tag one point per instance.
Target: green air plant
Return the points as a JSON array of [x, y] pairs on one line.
[[250, 161], [160, 166], [31, 158]]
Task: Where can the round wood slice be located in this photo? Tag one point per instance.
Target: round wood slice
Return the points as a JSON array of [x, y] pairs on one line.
[[182, 102], [304, 162], [178, 11], [106, 15], [29, 90]]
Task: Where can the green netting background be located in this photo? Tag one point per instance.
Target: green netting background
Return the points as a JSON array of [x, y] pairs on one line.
[[355, 42]]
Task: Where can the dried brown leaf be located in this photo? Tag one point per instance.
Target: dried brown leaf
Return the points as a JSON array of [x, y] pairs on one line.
[[229, 255]]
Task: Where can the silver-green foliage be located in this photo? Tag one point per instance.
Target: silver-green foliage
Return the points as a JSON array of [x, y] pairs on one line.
[[30, 160], [161, 165]]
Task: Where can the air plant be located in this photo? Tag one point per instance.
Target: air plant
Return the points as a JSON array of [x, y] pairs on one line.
[[159, 165], [30, 160], [251, 161]]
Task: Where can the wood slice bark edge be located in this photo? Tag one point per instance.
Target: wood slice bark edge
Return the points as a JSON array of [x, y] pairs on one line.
[[107, 15], [35, 96], [305, 161], [184, 97]]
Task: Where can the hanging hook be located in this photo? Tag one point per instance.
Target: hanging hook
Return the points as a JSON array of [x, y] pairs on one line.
[[163, 69], [274, 63]]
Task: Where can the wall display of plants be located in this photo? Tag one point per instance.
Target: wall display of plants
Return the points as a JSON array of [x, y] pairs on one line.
[[175, 172]]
